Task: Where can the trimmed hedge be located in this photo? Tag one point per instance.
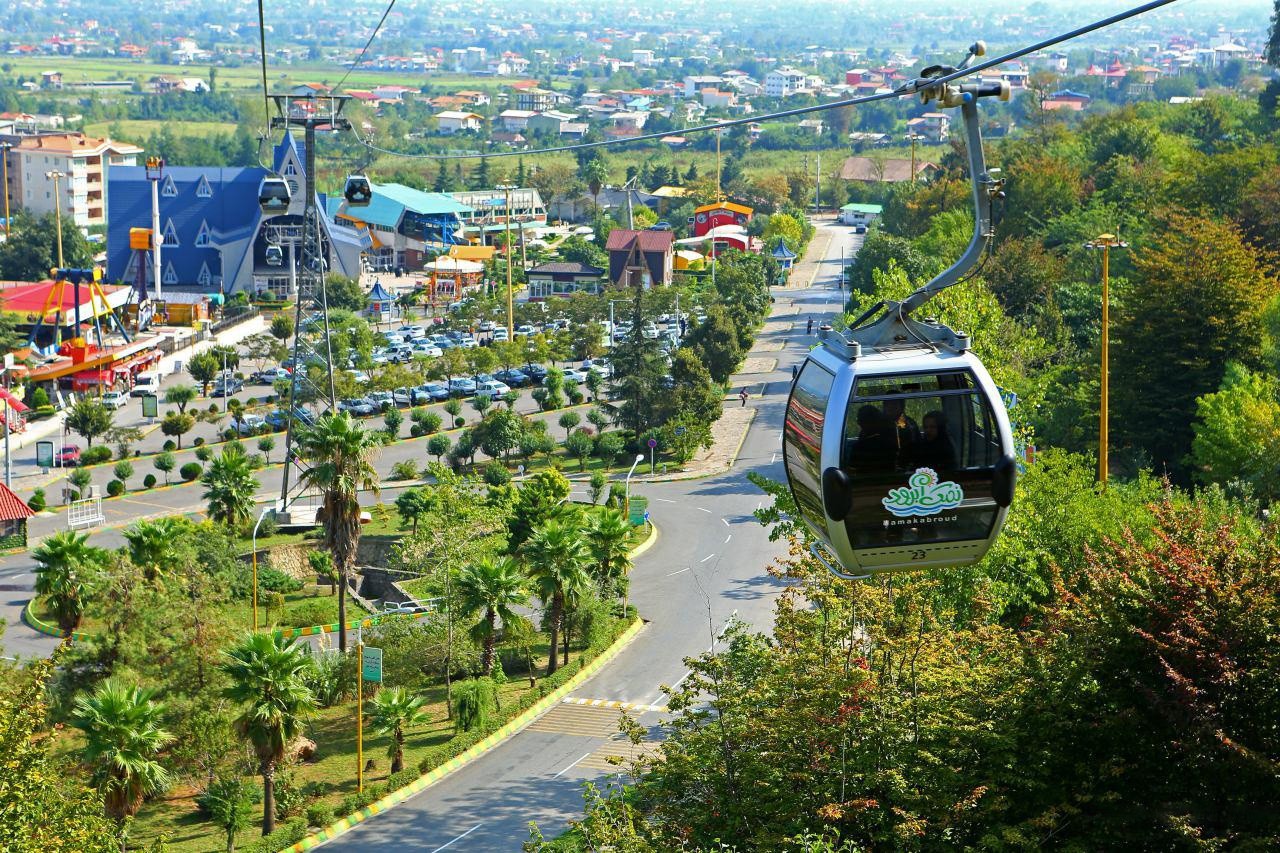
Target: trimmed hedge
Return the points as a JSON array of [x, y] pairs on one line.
[[190, 471], [115, 488], [149, 481], [95, 455]]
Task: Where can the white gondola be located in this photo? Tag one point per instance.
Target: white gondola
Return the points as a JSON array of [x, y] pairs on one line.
[[274, 255], [896, 443], [273, 195], [358, 191]]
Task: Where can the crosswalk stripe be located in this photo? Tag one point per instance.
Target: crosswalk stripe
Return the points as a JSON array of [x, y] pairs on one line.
[[614, 704]]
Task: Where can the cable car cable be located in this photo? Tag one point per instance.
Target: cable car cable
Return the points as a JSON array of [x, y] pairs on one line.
[[909, 88], [356, 63]]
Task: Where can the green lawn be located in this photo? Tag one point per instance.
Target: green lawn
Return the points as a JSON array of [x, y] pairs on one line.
[[139, 130]]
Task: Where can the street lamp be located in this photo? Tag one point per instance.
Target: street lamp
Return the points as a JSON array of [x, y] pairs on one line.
[[155, 170], [507, 188], [1105, 242], [265, 510], [57, 176], [5, 148], [627, 498]]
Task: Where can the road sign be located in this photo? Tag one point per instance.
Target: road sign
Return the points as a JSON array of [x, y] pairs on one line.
[[638, 510], [653, 442], [372, 665], [44, 454]]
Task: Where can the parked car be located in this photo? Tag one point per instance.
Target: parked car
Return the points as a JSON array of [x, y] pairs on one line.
[[146, 385], [598, 365], [491, 388], [358, 406], [381, 400], [468, 342], [514, 378], [411, 331], [427, 349], [270, 375], [403, 396], [462, 387], [392, 338], [251, 424], [574, 375], [486, 326], [525, 329], [360, 377], [500, 335], [535, 372], [69, 456], [398, 608], [279, 420], [115, 399], [226, 386], [435, 392]]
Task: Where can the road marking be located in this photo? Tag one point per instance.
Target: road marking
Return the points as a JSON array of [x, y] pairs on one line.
[[773, 458], [707, 511], [708, 557], [727, 538], [612, 703], [681, 679], [571, 766], [726, 521], [459, 838], [665, 500], [682, 571]]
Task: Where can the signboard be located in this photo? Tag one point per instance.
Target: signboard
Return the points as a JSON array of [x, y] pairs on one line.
[[371, 669], [637, 510], [150, 407], [44, 454], [653, 442]]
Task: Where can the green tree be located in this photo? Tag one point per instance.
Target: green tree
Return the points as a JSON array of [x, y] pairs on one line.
[[413, 504], [203, 367], [715, 343], [1237, 433], [569, 420], [42, 806], [784, 228], [67, 568], [30, 250], [537, 501], [176, 425], [180, 396], [556, 558], [394, 710], [493, 588], [87, 417], [229, 487], [438, 445], [1201, 282], [268, 677], [123, 471], [607, 534], [266, 444], [339, 456], [165, 463], [151, 545], [229, 802], [579, 445], [123, 737], [345, 293], [281, 327], [595, 173]]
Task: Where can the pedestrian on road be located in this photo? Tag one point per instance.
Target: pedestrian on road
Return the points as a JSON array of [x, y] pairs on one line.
[[808, 329], [795, 371], [742, 395]]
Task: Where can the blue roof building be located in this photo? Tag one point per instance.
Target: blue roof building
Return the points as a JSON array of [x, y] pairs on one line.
[[402, 224], [214, 235]]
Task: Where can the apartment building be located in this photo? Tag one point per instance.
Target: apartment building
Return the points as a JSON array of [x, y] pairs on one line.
[[83, 160]]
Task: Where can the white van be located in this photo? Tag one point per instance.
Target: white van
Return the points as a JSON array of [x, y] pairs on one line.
[[146, 385]]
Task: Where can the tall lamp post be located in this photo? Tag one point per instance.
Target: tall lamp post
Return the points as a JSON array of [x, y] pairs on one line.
[[155, 170], [57, 177], [507, 188], [1105, 242], [5, 148], [627, 498]]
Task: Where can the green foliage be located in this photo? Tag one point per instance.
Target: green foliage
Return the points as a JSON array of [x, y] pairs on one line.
[[473, 701], [30, 250], [203, 367], [230, 487], [580, 446], [39, 398], [438, 446], [190, 471], [539, 496], [87, 417], [394, 710], [37, 501], [165, 463], [95, 455], [115, 488], [229, 802], [123, 737], [67, 572], [496, 474], [177, 424], [1237, 434], [598, 481]]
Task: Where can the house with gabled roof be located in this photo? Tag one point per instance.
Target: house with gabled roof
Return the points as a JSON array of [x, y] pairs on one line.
[[640, 258], [215, 234]]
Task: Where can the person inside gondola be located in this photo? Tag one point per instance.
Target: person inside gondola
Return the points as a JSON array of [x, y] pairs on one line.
[[934, 448], [873, 449], [902, 430]]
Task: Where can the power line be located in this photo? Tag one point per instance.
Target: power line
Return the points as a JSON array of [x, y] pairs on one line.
[[909, 88], [365, 49], [266, 104]]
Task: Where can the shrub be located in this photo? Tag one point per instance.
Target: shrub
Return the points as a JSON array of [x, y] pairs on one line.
[[472, 702], [169, 445], [149, 481], [574, 393], [598, 482], [429, 421], [416, 431], [37, 502], [406, 470], [271, 579], [39, 398], [197, 441], [267, 527], [228, 434], [44, 411], [617, 496], [319, 815], [95, 455], [190, 471], [204, 454], [459, 423], [309, 613], [115, 488], [496, 474]]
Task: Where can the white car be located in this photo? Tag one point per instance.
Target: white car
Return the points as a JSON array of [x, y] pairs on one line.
[[427, 349], [251, 424], [359, 376], [574, 375], [491, 388], [411, 331], [599, 366], [500, 335], [115, 399], [486, 325], [525, 329], [393, 339]]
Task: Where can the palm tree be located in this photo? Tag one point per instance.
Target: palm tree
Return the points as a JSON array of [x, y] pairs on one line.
[[229, 487], [123, 736], [494, 586], [557, 559], [149, 543], [394, 710], [339, 454], [607, 535], [595, 173], [66, 565], [268, 675]]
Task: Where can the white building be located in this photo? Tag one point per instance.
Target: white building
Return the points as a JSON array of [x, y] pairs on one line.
[[783, 82], [453, 121], [642, 57]]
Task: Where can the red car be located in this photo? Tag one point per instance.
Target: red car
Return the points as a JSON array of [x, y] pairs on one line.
[[70, 456]]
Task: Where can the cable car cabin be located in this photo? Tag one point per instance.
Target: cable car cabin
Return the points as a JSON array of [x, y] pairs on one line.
[[274, 255], [358, 192], [902, 457], [273, 195]]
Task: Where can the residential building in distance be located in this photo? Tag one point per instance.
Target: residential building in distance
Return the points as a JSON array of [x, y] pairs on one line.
[[784, 82], [454, 121], [886, 170], [84, 160], [640, 258], [536, 100]]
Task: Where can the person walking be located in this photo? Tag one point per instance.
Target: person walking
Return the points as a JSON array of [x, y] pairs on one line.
[[808, 329], [742, 395], [795, 371]]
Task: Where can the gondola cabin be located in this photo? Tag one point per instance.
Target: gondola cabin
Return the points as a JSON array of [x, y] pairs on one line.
[[273, 195], [358, 192], [898, 449]]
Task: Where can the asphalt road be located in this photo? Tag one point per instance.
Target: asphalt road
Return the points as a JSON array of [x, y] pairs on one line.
[[707, 567]]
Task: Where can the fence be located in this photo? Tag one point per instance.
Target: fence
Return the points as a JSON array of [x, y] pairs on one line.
[[85, 513]]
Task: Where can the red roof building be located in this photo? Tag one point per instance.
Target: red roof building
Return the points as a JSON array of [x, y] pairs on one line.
[[640, 258], [13, 519]]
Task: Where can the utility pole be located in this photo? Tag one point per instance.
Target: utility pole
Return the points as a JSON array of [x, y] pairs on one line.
[[817, 184], [913, 136], [155, 169], [1105, 242], [5, 147], [506, 188], [57, 177]]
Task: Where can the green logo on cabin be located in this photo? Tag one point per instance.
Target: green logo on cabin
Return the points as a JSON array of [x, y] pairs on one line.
[[923, 495]]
